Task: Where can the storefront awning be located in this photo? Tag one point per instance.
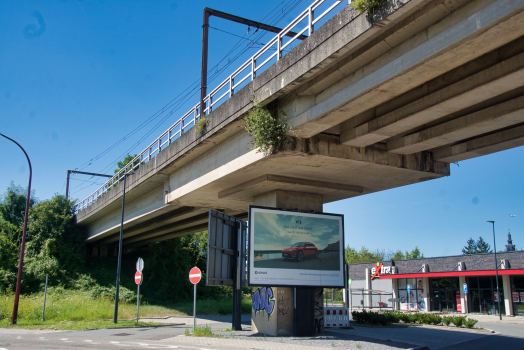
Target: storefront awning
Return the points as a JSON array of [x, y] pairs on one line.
[[455, 274]]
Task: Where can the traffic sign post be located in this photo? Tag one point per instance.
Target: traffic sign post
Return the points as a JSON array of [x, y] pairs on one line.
[[194, 277], [138, 280], [409, 303], [465, 287]]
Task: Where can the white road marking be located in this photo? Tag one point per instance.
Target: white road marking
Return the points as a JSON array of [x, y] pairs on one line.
[[19, 337], [63, 339], [3, 349]]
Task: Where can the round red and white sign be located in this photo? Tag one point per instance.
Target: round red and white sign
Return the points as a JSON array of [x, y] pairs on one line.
[[195, 275], [138, 277]]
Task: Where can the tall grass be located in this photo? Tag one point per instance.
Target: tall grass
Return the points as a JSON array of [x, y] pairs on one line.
[[77, 306]]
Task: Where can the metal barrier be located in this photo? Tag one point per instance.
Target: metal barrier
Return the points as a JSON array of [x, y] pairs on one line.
[[249, 68], [336, 316], [371, 299]]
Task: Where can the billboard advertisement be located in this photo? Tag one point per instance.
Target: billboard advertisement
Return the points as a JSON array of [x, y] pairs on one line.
[[288, 248]]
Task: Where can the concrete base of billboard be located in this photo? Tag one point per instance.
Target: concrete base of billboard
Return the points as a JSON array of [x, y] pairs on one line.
[[274, 316], [275, 310]]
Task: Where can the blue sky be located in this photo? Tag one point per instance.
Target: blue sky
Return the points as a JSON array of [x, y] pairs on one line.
[[78, 76], [277, 231]]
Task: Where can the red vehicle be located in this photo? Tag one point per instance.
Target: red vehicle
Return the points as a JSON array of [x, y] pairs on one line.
[[300, 250]]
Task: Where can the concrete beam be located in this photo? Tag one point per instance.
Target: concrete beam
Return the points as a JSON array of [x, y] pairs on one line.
[[484, 121], [500, 78], [448, 44], [171, 235], [329, 145], [265, 180], [160, 227], [481, 146], [167, 229]]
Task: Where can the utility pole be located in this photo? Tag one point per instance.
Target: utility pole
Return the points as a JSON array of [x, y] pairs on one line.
[[205, 39], [69, 172]]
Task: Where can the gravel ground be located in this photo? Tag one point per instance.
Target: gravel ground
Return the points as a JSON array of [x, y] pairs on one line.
[[328, 339]]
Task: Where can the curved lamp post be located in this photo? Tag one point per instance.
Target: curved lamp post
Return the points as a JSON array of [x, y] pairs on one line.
[[120, 247], [24, 230], [496, 268]]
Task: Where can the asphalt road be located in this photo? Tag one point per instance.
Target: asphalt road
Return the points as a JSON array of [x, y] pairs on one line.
[[511, 337], [326, 261], [128, 338]]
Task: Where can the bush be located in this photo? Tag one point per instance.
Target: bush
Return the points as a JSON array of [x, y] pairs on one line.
[[433, 319], [124, 295], [458, 321], [365, 5], [470, 323], [447, 320], [268, 131]]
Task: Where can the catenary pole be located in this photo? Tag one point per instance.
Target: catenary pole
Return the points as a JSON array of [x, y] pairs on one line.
[[24, 231]]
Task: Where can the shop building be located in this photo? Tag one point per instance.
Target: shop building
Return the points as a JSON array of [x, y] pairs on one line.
[[437, 284]]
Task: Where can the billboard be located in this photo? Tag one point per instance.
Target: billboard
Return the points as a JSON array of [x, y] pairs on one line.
[[288, 248]]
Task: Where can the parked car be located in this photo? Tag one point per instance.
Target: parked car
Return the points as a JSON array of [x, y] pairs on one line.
[[300, 250]]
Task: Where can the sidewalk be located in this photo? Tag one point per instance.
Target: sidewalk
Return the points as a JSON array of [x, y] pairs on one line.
[[495, 319]]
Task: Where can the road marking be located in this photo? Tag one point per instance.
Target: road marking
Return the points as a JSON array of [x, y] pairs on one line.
[[63, 339]]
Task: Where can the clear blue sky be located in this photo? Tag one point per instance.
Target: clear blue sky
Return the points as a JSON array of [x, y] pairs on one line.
[[78, 76]]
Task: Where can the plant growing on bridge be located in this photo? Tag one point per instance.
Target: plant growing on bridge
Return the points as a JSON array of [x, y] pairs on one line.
[[200, 125], [267, 130], [365, 5]]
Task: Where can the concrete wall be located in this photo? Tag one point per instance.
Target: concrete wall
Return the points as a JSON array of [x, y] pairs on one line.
[[218, 159], [151, 201]]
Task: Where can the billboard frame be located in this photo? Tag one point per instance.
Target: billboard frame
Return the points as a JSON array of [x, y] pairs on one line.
[[291, 211]]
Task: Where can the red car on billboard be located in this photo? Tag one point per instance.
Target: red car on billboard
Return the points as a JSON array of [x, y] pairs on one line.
[[300, 250]]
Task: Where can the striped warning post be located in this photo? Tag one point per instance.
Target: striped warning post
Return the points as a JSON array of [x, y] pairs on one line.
[[336, 316]]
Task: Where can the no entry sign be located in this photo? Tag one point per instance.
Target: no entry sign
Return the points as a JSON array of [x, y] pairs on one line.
[[195, 275], [138, 277]]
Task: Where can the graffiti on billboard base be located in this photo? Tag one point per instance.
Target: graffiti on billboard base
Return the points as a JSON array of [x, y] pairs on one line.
[[263, 300]]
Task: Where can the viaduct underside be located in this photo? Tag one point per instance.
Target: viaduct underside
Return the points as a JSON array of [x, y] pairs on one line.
[[376, 103]]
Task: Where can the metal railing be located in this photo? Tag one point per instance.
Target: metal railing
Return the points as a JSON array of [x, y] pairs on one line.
[[248, 70]]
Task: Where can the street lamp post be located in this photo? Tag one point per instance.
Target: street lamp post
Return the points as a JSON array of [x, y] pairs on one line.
[[120, 248], [24, 230], [496, 269]]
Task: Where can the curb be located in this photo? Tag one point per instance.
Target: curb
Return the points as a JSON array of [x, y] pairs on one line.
[[371, 326], [142, 326]]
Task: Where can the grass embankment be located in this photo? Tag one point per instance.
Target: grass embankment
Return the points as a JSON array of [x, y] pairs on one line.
[[69, 310]]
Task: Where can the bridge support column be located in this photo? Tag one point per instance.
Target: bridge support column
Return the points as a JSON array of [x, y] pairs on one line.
[[297, 311]]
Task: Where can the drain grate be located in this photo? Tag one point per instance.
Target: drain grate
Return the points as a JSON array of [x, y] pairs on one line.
[[121, 334]]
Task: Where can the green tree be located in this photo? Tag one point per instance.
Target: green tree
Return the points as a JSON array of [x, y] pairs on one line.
[[482, 246], [478, 247], [124, 162], [414, 254], [398, 255], [470, 247], [54, 244], [363, 255], [12, 205]]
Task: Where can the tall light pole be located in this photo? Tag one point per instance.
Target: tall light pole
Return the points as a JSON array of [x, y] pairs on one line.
[[120, 248], [496, 268], [24, 230]]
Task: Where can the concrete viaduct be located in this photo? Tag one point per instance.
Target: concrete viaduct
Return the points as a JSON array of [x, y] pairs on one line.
[[378, 102]]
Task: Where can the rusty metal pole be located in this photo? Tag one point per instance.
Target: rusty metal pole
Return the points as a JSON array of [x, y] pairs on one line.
[[203, 80], [24, 230]]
